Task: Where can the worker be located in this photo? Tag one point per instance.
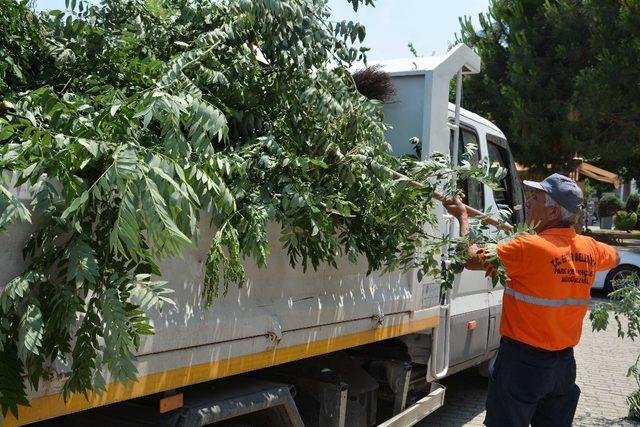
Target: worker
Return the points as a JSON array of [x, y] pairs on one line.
[[547, 295]]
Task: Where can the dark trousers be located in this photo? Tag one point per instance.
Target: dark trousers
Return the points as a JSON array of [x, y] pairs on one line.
[[531, 386]]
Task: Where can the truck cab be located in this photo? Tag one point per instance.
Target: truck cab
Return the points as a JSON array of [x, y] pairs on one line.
[[468, 332]]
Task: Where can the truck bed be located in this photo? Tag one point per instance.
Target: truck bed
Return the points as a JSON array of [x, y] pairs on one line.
[[281, 314]]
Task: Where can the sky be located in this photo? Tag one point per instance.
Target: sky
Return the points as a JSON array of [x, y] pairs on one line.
[[429, 24]]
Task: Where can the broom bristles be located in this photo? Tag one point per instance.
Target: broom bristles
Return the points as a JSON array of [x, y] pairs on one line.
[[373, 83]]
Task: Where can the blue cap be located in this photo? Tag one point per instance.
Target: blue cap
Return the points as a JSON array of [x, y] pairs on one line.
[[563, 190]]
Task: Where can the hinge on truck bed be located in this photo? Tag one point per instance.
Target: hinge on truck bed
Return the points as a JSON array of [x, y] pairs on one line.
[[378, 316], [275, 333]]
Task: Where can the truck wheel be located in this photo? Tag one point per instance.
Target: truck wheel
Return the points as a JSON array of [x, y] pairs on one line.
[[618, 273]]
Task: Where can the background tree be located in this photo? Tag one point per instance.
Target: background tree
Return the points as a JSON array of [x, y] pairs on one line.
[[559, 78], [607, 96]]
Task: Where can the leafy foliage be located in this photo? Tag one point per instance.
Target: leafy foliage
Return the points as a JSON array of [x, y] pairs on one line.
[[609, 204], [624, 220], [488, 241], [559, 80], [633, 202], [136, 122], [589, 189]]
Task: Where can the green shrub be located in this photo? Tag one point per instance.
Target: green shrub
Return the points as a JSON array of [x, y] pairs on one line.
[[609, 204], [633, 202], [624, 220]]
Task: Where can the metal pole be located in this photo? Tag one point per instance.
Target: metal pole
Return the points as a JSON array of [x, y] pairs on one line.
[[446, 304]]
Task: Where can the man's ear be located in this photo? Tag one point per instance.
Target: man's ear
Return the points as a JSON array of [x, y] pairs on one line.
[[556, 214]]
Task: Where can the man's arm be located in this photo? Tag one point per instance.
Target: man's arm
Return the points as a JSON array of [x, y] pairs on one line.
[[608, 257], [459, 211]]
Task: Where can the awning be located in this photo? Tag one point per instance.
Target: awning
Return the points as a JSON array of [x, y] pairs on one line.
[[599, 174], [585, 169]]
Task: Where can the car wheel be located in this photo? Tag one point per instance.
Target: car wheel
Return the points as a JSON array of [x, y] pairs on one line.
[[618, 273]]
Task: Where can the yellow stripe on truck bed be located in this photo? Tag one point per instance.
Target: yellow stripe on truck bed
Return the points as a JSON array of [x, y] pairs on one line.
[[53, 405]]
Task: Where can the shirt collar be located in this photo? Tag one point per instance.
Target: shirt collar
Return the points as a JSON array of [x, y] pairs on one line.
[[564, 231]]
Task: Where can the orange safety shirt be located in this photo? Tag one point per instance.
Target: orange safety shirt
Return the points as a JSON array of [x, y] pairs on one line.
[[548, 291]]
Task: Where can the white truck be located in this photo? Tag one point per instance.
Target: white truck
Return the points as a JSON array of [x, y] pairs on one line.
[[332, 347]]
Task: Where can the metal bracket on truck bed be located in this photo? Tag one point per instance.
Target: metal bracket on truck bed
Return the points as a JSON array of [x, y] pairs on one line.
[[237, 399], [419, 410], [270, 402]]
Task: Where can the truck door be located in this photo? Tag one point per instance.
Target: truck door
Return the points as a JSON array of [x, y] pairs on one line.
[[469, 300], [511, 198]]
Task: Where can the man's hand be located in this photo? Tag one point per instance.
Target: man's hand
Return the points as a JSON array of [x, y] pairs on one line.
[[455, 207]]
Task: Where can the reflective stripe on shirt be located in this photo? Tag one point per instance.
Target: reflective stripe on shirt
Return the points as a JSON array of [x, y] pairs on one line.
[[546, 302]]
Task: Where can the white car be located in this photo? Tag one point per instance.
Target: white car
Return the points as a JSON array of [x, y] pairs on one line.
[[629, 264]]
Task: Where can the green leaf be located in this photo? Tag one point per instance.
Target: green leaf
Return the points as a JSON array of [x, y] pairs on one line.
[[11, 208], [91, 146], [5, 132], [12, 386], [150, 294], [125, 235], [177, 187], [30, 332], [75, 204], [126, 164], [159, 222], [82, 265], [114, 109], [17, 288], [118, 338]]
